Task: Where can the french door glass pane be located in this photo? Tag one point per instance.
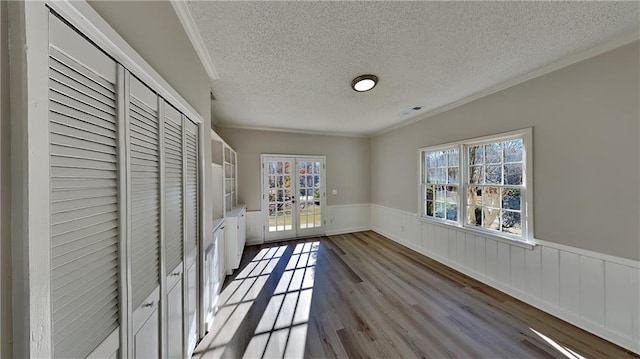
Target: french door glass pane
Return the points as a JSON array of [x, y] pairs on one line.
[[280, 199], [309, 193]]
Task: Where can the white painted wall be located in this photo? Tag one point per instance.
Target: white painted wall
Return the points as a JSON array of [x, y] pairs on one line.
[[586, 134], [6, 334]]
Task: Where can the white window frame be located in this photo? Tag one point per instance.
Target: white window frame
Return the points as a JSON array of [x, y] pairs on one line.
[[423, 183], [526, 135]]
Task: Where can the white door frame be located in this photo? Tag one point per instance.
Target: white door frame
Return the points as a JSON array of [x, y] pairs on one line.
[[296, 232]]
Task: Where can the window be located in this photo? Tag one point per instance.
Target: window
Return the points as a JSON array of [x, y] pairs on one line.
[[440, 183], [482, 184]]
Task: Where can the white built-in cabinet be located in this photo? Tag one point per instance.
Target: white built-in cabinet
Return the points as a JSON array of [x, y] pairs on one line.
[[236, 235], [214, 275], [120, 209], [225, 182]]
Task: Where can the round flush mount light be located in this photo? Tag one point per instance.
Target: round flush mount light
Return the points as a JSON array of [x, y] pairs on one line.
[[364, 83]]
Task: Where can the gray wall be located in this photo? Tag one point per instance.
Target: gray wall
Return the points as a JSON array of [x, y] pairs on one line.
[[348, 162], [6, 333], [585, 120], [153, 29]]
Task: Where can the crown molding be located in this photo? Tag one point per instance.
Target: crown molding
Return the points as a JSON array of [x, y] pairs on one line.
[[286, 130], [189, 25], [570, 60], [87, 21]]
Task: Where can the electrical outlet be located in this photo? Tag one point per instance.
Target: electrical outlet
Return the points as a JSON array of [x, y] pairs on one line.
[[330, 220], [402, 228]]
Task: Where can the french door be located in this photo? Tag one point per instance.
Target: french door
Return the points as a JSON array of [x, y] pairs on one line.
[[293, 196]]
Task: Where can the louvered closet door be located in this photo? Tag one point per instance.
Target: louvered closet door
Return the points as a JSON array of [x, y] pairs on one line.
[[145, 191], [191, 239], [84, 193], [173, 188], [191, 187]]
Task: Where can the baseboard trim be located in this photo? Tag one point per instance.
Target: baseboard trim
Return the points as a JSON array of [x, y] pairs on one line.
[[347, 230], [556, 311]]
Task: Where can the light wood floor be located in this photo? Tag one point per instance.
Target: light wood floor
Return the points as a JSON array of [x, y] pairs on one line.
[[362, 295]]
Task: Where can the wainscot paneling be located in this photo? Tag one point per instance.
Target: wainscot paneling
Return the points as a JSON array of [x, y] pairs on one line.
[[596, 292], [346, 218]]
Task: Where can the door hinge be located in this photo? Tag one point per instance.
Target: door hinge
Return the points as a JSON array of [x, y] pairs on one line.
[[325, 222]]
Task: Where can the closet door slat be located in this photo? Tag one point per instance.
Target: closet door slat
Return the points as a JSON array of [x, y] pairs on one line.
[[145, 191], [191, 185], [174, 202], [85, 216]]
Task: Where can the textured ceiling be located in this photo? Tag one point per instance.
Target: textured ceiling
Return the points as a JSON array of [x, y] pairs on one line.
[[289, 65]]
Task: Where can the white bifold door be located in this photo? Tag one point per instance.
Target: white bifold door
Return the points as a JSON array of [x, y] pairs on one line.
[[85, 180], [293, 196], [124, 190]]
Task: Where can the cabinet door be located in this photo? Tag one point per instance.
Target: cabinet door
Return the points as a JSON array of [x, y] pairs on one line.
[[174, 322], [221, 257], [146, 339], [242, 232], [190, 309]]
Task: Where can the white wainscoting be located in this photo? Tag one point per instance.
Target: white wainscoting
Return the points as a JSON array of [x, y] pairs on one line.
[[596, 292], [340, 219], [255, 228], [348, 218]]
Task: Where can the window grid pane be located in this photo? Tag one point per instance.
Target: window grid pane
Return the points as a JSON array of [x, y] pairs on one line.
[[494, 188], [440, 184], [496, 171]]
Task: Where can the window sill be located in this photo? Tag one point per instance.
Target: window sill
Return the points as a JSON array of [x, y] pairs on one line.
[[497, 237]]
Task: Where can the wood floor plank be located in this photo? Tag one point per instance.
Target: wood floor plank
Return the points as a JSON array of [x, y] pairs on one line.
[[372, 298]]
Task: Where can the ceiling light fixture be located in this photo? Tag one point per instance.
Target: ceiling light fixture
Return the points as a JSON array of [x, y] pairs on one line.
[[364, 83]]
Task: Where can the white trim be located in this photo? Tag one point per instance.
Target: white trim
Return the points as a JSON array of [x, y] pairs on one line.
[[337, 206], [526, 210], [295, 225], [189, 26], [30, 180], [575, 58], [127, 346], [347, 230], [162, 309], [286, 130], [538, 242], [478, 232], [88, 22], [527, 277], [123, 199], [587, 253]]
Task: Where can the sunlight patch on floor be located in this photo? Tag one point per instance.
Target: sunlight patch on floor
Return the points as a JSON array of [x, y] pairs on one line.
[[564, 350], [236, 300], [282, 330]]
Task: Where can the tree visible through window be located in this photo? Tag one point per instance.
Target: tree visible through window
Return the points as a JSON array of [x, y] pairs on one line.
[[480, 183], [494, 186], [440, 183]]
